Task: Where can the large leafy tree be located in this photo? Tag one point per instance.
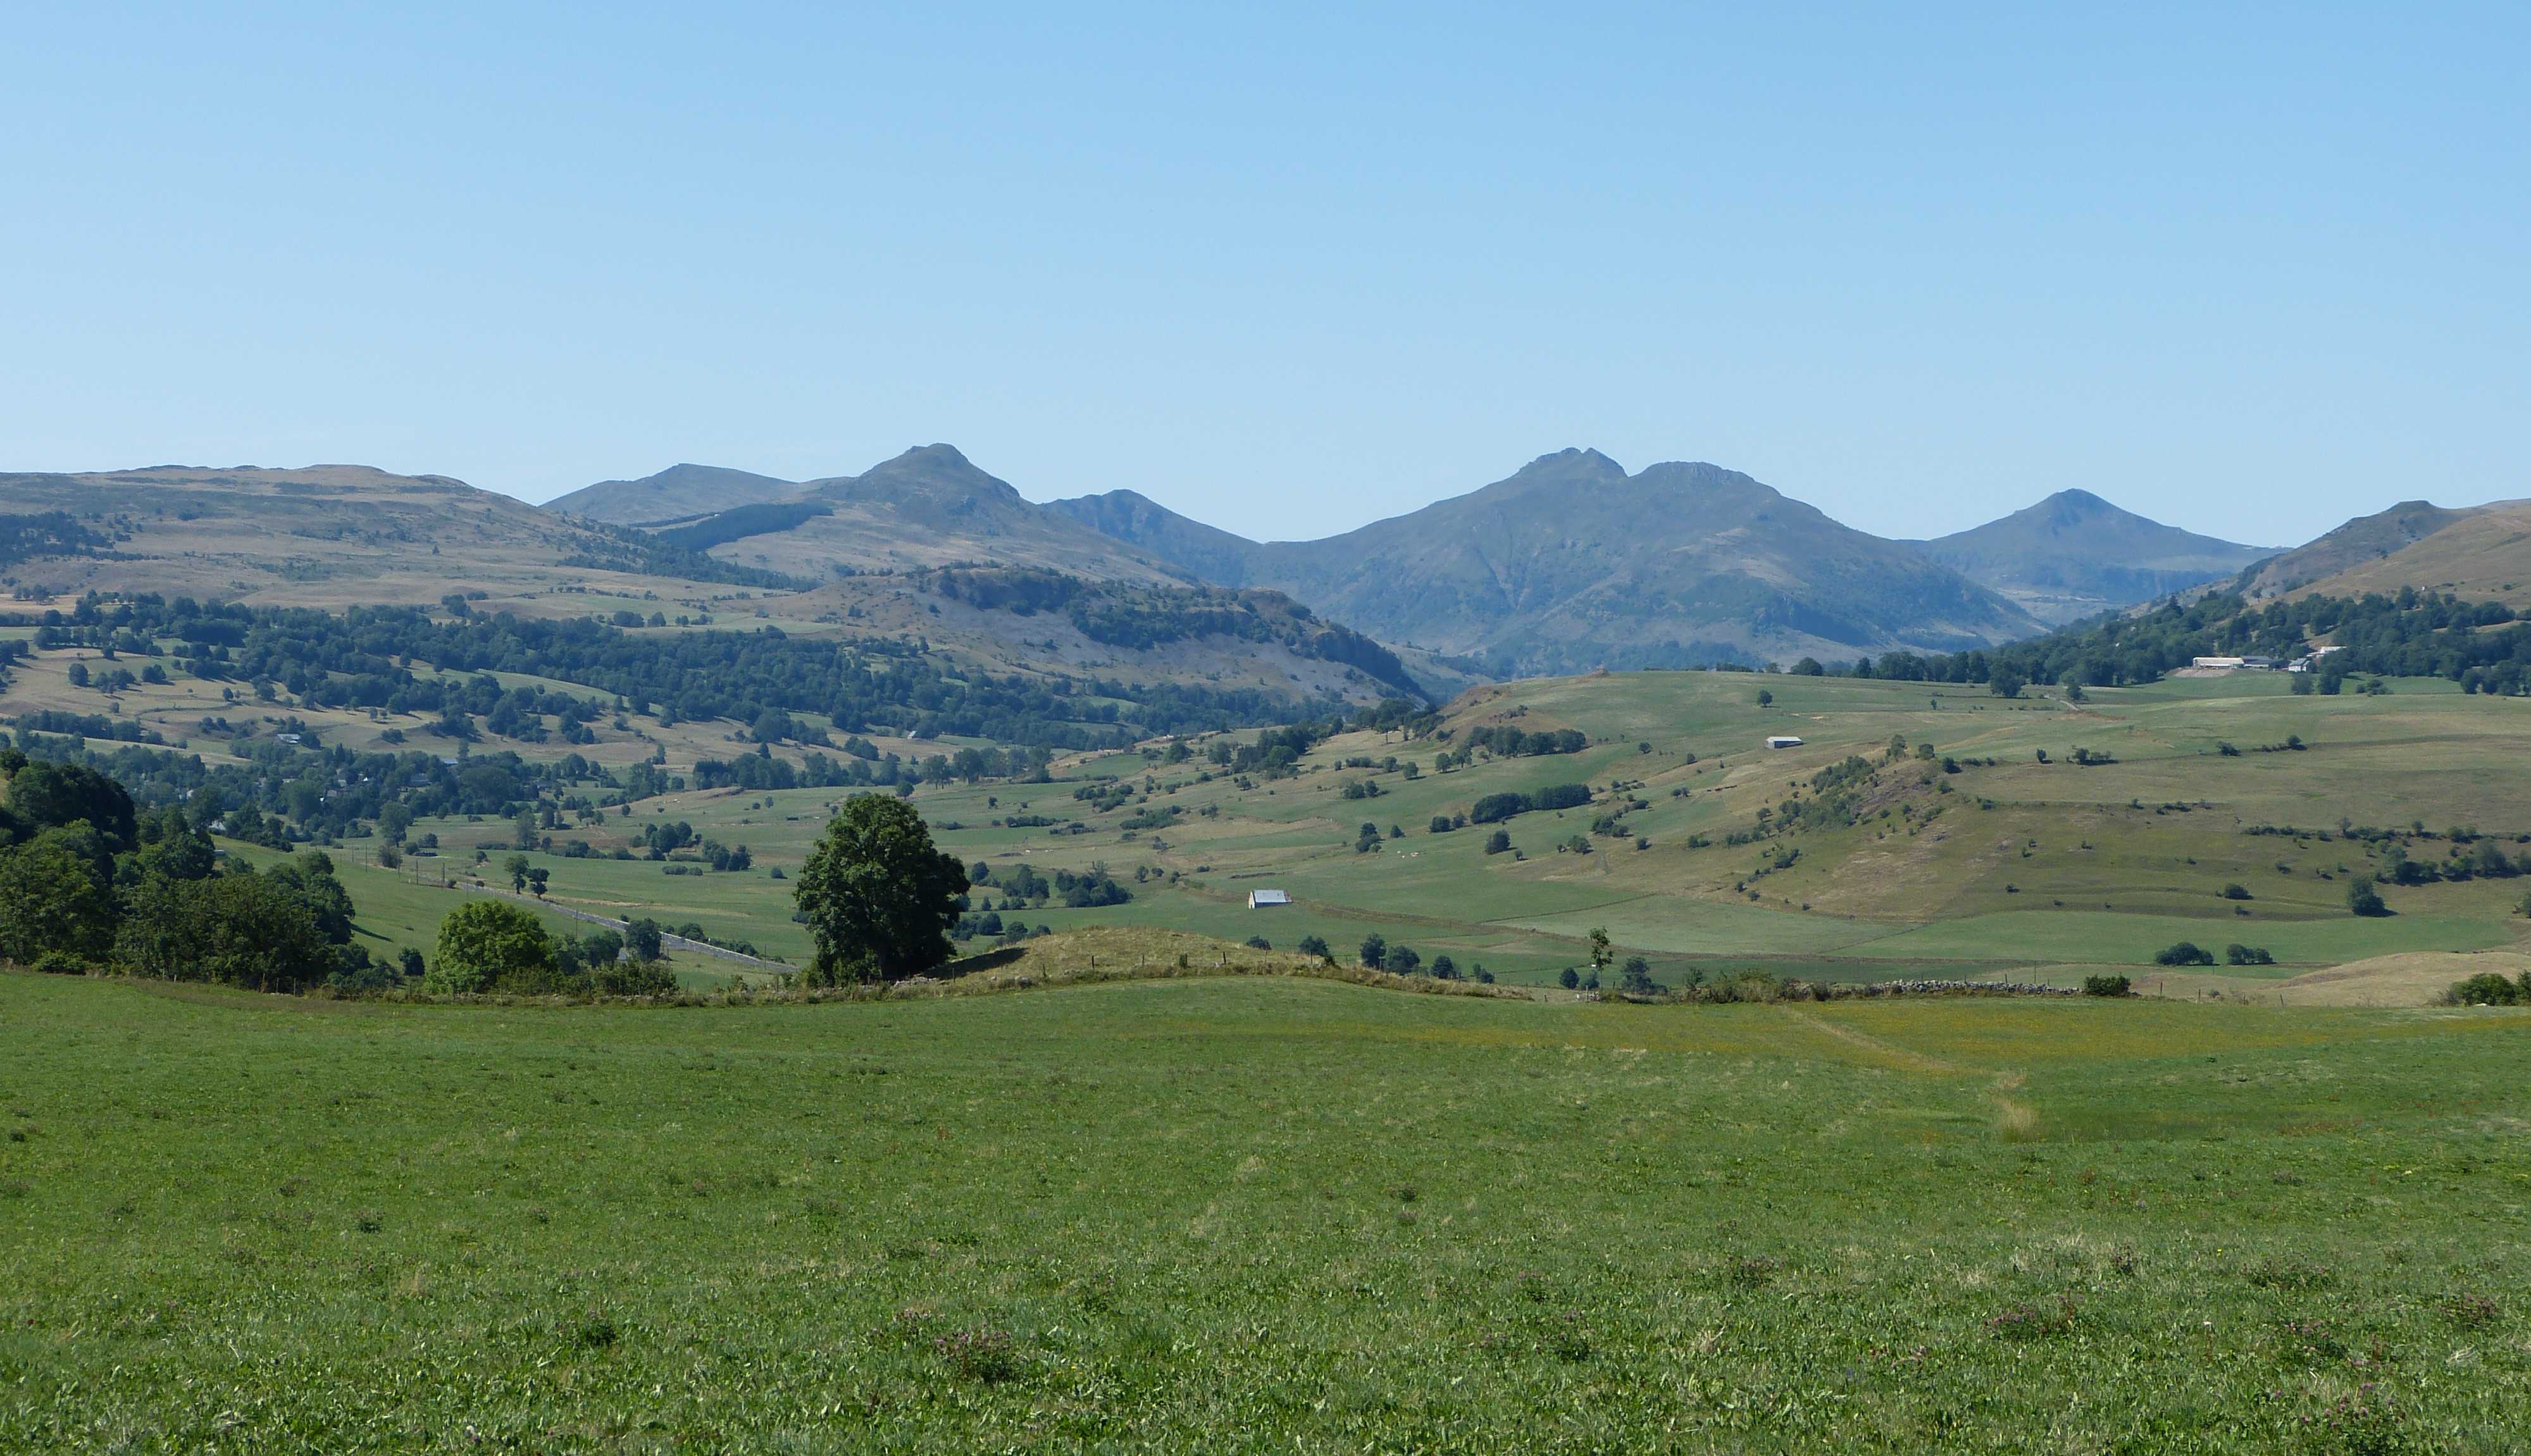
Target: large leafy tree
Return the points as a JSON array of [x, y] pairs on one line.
[[42, 795], [51, 900], [483, 943], [880, 898], [249, 930]]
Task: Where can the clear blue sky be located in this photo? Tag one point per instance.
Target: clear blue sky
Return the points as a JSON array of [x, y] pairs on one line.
[[2250, 272]]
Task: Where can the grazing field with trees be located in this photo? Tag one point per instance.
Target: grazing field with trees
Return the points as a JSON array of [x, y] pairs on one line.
[[1920, 829], [1245, 1214]]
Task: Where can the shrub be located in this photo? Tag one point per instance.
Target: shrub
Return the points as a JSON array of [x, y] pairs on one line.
[[2104, 986], [633, 978], [1571, 979], [2236, 892], [2185, 953], [2237, 954], [2487, 989]]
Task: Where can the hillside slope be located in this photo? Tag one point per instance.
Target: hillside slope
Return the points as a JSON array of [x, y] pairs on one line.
[[928, 507], [1210, 553], [2363, 539], [680, 493], [324, 535], [2074, 555], [2484, 555]]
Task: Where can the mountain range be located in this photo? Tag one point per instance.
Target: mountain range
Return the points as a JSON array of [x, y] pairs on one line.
[[1569, 564]]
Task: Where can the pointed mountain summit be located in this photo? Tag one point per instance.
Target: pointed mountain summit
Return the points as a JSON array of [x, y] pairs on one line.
[[2075, 555], [929, 506], [1571, 563]]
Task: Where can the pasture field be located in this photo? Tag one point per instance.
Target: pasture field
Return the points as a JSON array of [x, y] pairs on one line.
[[2011, 867], [1236, 1215]]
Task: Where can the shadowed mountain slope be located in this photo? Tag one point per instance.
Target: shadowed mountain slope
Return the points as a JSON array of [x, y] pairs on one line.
[[1209, 552], [1572, 564], [2074, 555]]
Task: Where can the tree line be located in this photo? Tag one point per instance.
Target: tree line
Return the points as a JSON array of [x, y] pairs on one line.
[[89, 880], [2481, 645], [364, 657]]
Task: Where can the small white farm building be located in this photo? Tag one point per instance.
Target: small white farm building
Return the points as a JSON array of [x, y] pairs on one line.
[[1261, 899], [1783, 741]]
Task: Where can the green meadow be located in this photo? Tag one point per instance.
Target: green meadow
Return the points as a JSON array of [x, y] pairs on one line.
[[2012, 867], [1240, 1214]]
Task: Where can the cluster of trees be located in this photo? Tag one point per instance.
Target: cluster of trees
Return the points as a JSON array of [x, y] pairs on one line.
[[1276, 750], [1378, 953], [1021, 885], [2190, 953], [622, 548], [2488, 988], [23, 537], [90, 881], [268, 792], [2470, 858], [1140, 618], [1506, 741], [493, 947], [363, 658], [2411, 634], [989, 925], [1494, 807]]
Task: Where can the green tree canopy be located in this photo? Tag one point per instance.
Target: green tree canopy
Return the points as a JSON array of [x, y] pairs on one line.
[[51, 900], [877, 897], [43, 795], [483, 942], [249, 930]]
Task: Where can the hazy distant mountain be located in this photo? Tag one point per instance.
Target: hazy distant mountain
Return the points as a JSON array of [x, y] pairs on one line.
[[2074, 555], [2476, 552], [1572, 564], [324, 535], [678, 494], [1209, 552], [929, 506]]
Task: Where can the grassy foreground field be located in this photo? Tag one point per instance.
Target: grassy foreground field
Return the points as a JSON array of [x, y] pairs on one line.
[[1257, 1214]]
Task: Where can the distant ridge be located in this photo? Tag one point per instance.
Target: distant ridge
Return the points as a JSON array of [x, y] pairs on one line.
[[2074, 555], [1566, 565], [2481, 552], [1572, 564], [680, 493], [1214, 555]]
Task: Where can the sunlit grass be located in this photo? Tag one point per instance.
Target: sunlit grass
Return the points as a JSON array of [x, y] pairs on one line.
[[1255, 1214]]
